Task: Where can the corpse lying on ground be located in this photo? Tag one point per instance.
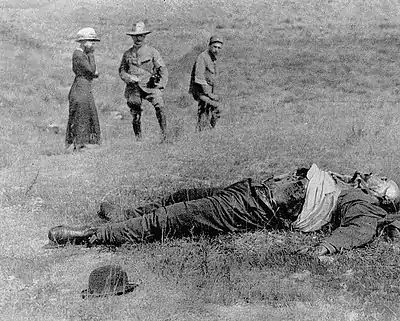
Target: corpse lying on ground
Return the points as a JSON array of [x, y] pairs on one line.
[[305, 200]]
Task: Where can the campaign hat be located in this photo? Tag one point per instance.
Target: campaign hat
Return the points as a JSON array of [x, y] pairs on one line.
[[138, 29]]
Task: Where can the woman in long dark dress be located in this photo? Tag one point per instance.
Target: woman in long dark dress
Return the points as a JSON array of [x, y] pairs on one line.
[[83, 123]]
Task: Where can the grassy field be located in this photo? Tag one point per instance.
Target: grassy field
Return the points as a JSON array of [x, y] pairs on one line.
[[302, 81]]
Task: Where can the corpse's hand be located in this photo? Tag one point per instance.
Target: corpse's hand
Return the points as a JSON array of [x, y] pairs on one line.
[[315, 251], [319, 250]]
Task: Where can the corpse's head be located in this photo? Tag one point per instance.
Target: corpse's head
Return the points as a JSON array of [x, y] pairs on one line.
[[387, 191]]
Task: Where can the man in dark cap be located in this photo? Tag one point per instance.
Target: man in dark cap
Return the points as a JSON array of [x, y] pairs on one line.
[[306, 200], [145, 74], [203, 82]]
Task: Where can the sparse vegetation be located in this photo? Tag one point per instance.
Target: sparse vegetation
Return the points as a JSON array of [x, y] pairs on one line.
[[302, 82]]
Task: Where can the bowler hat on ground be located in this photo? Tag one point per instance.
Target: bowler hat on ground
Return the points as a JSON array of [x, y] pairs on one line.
[[108, 280], [138, 29]]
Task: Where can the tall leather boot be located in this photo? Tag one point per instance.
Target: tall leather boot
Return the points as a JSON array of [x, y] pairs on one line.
[[162, 121], [202, 116], [137, 129], [213, 121], [215, 115], [199, 125]]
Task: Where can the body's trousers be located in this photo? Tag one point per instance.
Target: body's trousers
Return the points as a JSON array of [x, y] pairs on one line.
[[191, 212]]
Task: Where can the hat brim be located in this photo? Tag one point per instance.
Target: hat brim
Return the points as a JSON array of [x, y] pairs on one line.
[[217, 41], [128, 288], [138, 33], [87, 39]]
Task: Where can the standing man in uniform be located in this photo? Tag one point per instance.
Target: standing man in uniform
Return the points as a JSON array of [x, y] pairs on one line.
[[145, 74], [203, 81]]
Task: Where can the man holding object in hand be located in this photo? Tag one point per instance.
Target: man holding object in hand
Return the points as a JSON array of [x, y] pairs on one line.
[[145, 74], [203, 81]]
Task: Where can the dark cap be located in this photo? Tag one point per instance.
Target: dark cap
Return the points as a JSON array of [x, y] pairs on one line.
[[216, 39], [108, 280]]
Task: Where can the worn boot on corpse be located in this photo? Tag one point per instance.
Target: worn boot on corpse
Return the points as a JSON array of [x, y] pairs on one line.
[[61, 235]]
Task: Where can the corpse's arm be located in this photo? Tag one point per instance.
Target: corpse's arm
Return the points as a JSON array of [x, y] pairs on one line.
[[349, 179], [354, 234], [358, 228]]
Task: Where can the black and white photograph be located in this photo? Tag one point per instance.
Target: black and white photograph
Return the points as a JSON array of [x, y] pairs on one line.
[[200, 160]]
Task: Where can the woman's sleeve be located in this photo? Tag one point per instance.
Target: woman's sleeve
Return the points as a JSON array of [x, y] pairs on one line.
[[84, 64]]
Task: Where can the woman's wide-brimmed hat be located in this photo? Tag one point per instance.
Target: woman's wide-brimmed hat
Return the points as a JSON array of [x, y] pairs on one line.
[[108, 280], [138, 29], [86, 34]]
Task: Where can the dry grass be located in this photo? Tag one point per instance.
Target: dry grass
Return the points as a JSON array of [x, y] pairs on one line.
[[303, 82]]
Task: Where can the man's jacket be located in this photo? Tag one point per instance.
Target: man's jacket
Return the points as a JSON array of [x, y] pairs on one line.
[[204, 74], [142, 63]]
